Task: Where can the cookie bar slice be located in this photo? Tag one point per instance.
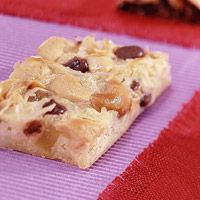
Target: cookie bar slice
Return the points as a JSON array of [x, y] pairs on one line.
[[188, 10], [76, 98]]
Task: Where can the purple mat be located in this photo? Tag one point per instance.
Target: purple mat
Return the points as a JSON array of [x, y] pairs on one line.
[[27, 177]]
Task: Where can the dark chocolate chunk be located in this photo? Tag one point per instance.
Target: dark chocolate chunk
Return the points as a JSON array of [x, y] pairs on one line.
[[147, 9], [162, 8], [192, 13], [39, 94], [135, 85], [79, 42], [33, 127], [129, 52], [189, 12], [78, 64], [145, 100], [57, 110]]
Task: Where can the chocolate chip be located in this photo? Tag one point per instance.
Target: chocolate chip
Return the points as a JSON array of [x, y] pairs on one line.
[[33, 127], [147, 8], [163, 8], [39, 94], [78, 64], [4, 95], [57, 110], [129, 52], [79, 42], [135, 85], [145, 100]]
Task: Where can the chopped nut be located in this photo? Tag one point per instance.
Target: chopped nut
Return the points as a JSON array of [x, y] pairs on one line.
[[39, 94], [4, 88], [34, 84], [53, 48], [33, 68], [69, 86]]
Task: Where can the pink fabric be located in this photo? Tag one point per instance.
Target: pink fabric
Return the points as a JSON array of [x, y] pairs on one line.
[[28, 177]]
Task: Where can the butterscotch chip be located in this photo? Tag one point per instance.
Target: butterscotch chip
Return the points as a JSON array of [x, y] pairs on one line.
[[47, 139], [114, 97]]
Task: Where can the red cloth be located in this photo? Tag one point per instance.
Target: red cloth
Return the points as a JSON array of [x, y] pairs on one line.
[[102, 14], [169, 168]]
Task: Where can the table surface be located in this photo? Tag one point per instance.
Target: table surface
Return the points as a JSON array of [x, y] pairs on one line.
[[27, 177]]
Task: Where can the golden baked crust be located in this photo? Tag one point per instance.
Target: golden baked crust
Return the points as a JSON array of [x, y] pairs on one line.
[[76, 98]]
